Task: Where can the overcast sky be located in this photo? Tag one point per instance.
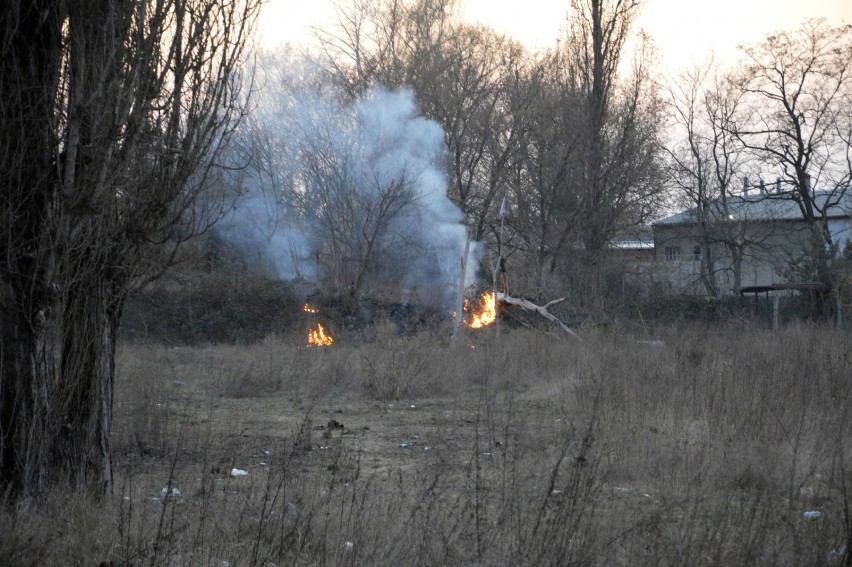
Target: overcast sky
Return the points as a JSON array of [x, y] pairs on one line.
[[684, 30]]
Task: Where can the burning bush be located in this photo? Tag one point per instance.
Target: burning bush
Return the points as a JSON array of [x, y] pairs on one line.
[[318, 337], [484, 314]]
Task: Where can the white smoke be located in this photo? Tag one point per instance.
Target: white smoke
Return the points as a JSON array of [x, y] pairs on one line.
[[269, 241], [320, 164]]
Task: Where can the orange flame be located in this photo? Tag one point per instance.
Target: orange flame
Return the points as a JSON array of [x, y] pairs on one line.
[[318, 337], [485, 313], [308, 309]]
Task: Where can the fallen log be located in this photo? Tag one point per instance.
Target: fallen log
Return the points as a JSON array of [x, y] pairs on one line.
[[540, 309]]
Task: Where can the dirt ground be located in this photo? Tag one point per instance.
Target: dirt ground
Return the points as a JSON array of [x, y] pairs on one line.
[[665, 453]]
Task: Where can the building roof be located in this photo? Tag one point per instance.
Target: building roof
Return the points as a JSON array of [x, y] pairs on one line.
[[767, 207], [636, 238]]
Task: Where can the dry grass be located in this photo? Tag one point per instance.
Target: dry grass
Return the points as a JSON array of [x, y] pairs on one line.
[[528, 449]]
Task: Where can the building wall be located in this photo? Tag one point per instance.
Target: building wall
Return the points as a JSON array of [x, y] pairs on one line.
[[769, 248]]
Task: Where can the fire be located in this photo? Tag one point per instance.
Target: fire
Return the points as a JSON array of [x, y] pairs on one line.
[[308, 309], [318, 337], [485, 313]]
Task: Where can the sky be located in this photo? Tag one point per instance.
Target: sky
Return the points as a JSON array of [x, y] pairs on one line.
[[685, 31]]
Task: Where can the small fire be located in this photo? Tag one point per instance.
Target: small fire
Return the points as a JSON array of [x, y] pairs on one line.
[[318, 337], [485, 313], [308, 309]]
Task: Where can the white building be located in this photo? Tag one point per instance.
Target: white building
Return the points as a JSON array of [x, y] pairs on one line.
[[756, 236]]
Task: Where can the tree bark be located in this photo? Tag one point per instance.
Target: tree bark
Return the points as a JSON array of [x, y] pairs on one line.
[[30, 49], [82, 452], [26, 380], [708, 265]]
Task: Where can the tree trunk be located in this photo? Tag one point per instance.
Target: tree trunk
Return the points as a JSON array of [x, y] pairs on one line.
[[708, 268], [737, 254], [26, 379], [59, 430], [30, 49], [822, 244], [82, 451]]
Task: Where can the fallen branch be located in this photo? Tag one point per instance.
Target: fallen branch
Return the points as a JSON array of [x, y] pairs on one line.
[[540, 309]]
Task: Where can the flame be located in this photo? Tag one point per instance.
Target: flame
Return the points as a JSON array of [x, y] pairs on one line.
[[485, 313], [318, 337], [308, 309]]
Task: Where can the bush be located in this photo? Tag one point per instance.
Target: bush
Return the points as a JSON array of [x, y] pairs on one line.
[[216, 308]]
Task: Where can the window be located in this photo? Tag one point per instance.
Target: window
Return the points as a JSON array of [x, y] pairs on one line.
[[672, 253], [696, 252]]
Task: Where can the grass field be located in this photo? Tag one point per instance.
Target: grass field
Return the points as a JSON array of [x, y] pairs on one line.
[[721, 447]]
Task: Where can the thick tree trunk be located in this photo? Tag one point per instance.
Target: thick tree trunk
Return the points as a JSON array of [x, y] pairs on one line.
[[26, 380], [58, 430], [82, 450], [30, 59]]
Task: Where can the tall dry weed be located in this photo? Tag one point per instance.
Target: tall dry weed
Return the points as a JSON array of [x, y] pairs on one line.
[[731, 448]]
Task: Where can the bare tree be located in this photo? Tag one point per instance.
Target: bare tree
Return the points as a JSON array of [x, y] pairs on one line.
[[545, 210], [476, 100], [703, 162], [463, 76], [616, 178], [795, 120], [392, 42], [113, 116], [350, 205], [483, 88]]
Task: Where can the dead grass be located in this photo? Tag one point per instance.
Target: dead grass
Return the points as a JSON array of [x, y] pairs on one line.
[[528, 449]]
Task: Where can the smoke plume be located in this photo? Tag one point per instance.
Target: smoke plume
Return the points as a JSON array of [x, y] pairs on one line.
[[333, 182]]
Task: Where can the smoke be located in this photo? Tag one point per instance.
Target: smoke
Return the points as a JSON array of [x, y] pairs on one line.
[[332, 182], [430, 229], [270, 243]]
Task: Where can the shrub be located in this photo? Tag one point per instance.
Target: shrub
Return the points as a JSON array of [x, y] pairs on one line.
[[212, 308]]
